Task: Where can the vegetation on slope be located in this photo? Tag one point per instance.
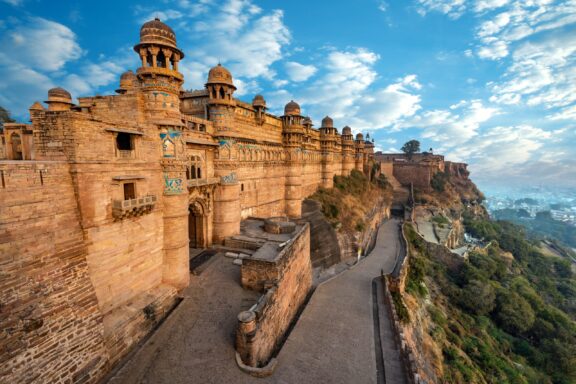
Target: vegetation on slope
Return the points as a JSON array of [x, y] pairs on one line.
[[351, 199], [497, 319], [543, 225]]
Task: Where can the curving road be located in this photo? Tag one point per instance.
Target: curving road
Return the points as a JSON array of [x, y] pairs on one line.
[[333, 342]]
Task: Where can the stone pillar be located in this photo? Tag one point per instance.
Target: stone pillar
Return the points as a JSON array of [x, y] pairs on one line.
[[154, 51], [226, 206]]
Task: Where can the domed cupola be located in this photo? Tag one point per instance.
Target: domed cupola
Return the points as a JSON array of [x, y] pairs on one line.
[[158, 72], [220, 85], [156, 32], [127, 81], [220, 75], [327, 122], [59, 99], [292, 109], [157, 48]]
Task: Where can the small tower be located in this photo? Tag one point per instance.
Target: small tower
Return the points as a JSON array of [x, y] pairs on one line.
[[259, 105], [128, 81], [293, 134], [59, 99], [348, 154], [359, 150], [221, 103], [158, 73], [328, 137]]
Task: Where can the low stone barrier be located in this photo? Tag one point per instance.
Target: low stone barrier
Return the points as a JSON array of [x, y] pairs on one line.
[[285, 281], [406, 353]]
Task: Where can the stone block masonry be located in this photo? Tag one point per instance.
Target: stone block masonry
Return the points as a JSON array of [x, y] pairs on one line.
[[51, 328], [285, 281]]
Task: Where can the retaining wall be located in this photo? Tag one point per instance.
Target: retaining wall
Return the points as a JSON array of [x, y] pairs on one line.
[[285, 282]]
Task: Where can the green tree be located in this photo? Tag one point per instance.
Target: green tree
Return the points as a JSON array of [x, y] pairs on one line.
[[411, 147], [514, 313], [478, 297]]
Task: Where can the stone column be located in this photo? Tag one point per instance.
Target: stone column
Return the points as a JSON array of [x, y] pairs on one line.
[[176, 268], [154, 51]]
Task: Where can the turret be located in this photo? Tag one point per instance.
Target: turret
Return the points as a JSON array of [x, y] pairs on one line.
[[359, 152], [348, 153], [128, 81], [259, 105], [328, 138], [59, 99], [293, 133], [221, 104], [158, 72]]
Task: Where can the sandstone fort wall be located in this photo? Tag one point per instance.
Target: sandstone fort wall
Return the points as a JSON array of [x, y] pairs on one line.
[[49, 314]]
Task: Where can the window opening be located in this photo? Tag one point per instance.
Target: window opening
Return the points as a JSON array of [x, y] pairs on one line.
[[129, 191], [124, 141]]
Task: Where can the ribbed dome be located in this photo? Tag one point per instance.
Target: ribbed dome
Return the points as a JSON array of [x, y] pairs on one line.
[[359, 136], [346, 130], [155, 31], [259, 101], [220, 75], [327, 122], [59, 93], [292, 108]]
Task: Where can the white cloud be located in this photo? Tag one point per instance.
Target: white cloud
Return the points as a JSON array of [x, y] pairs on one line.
[[542, 73], [164, 16], [346, 90], [453, 8], [383, 6], [486, 5], [299, 72], [40, 43], [457, 124]]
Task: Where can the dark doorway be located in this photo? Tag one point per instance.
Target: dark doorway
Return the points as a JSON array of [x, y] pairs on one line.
[[196, 226], [16, 146]]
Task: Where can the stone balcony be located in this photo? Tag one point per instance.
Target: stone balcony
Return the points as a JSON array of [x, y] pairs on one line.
[[200, 182], [134, 207]]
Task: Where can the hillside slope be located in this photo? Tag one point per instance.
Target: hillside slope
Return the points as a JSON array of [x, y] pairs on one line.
[[504, 314]]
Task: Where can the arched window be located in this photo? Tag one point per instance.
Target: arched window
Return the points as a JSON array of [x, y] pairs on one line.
[[194, 169], [222, 93], [161, 60]]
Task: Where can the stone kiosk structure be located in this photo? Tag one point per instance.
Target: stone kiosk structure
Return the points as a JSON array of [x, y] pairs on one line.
[[102, 200]]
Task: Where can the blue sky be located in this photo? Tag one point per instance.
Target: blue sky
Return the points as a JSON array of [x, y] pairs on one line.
[[488, 82]]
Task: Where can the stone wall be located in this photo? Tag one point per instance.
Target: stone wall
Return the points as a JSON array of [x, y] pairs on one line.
[[51, 328], [285, 283], [418, 174]]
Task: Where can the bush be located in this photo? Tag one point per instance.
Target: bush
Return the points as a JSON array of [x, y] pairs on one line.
[[401, 310], [514, 313], [439, 181]]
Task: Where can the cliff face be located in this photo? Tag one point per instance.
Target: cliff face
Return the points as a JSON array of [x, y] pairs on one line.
[[486, 313], [344, 219]]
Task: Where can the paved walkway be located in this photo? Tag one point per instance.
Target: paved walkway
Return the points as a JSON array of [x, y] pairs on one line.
[[333, 341]]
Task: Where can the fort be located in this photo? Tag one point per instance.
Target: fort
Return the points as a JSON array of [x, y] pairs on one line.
[[105, 201]]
